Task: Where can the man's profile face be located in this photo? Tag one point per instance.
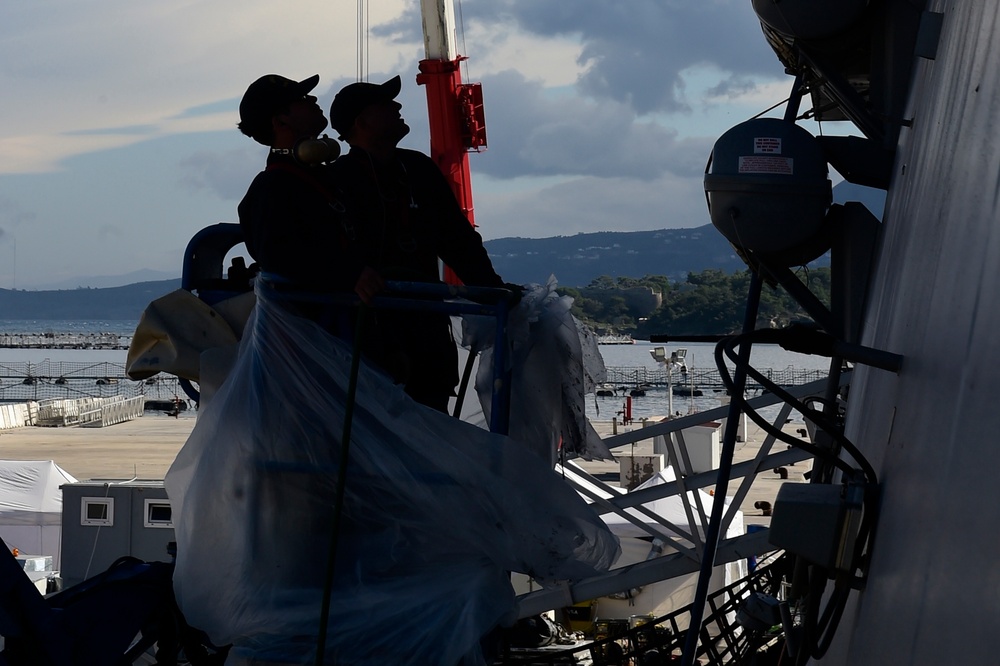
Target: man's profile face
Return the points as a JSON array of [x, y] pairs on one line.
[[305, 117], [383, 120]]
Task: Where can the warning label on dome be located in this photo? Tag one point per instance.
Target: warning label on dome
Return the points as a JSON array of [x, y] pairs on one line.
[[766, 145], [766, 164]]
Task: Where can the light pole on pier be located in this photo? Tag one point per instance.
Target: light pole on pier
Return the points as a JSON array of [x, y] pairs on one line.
[[676, 358]]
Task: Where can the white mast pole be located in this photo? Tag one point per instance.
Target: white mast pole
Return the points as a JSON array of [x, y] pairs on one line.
[[438, 17]]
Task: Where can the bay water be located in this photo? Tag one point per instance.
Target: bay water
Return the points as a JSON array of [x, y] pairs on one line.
[[655, 402], [700, 356]]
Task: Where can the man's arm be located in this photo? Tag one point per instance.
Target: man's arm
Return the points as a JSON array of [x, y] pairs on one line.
[[458, 243]]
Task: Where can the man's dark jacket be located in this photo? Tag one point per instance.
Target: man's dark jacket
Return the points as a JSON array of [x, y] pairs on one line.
[[323, 225]]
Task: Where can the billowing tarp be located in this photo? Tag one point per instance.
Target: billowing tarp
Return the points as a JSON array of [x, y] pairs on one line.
[[31, 506], [436, 512], [175, 329], [555, 363]]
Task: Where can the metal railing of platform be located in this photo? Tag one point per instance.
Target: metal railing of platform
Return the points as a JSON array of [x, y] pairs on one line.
[[688, 543]]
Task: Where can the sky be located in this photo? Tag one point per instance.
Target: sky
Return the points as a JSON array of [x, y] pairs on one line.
[[118, 140]]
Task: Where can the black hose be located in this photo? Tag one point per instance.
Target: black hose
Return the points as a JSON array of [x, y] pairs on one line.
[[713, 529], [867, 519], [819, 418], [818, 629], [338, 506]]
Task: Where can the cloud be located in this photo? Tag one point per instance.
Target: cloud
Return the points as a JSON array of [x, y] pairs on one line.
[[138, 130], [222, 106], [68, 67], [13, 215], [119, 116], [544, 134], [108, 231], [635, 52], [593, 204], [226, 174]]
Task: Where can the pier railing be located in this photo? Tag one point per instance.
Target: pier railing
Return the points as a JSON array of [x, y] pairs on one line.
[[703, 378], [688, 543], [20, 381], [64, 341], [24, 381]]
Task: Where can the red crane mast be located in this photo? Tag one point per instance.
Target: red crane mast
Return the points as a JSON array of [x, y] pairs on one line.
[[454, 109]]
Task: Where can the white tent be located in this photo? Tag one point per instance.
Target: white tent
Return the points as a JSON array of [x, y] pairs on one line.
[[31, 506]]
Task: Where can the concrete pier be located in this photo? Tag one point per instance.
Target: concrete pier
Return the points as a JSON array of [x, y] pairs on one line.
[[143, 448], [146, 446]]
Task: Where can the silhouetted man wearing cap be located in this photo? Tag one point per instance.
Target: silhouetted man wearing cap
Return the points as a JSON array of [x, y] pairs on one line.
[[402, 217], [291, 219]]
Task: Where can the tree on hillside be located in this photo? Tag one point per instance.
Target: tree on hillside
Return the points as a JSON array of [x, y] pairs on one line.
[[711, 302], [658, 283], [618, 314], [603, 282], [714, 303], [587, 310]]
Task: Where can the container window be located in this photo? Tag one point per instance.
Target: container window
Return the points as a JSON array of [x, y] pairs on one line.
[[97, 511], [158, 513]]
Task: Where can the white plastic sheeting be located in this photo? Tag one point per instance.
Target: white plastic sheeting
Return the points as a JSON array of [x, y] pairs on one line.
[[555, 362], [436, 513]]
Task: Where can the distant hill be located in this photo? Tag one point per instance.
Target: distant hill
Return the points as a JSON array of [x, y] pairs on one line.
[[105, 281], [126, 302], [577, 260]]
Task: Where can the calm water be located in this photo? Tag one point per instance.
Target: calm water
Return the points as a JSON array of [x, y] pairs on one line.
[[702, 355], [80, 372], [654, 403], [116, 326], [699, 356]]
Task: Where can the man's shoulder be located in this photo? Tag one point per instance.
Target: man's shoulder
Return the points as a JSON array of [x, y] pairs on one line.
[[285, 183], [423, 171], [347, 166], [269, 176], [283, 175], [407, 156], [258, 184], [351, 157]]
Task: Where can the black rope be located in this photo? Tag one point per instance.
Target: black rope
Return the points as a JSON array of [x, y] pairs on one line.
[[338, 506]]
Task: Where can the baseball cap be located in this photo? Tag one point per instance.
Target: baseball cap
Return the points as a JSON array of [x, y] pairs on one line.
[[354, 98], [265, 97]]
